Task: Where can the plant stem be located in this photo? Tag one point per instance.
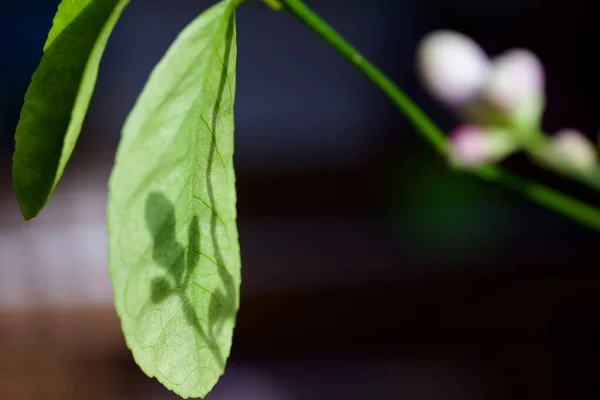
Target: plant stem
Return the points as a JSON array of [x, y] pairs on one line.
[[275, 5], [416, 116], [575, 209]]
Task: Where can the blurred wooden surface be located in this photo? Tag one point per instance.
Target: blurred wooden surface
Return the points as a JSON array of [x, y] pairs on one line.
[[62, 354], [517, 329]]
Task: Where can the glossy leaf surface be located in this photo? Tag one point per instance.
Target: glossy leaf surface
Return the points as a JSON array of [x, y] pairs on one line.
[[58, 97]]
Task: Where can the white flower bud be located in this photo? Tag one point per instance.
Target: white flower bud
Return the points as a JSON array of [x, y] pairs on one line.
[[515, 88], [452, 67], [571, 149], [472, 146]]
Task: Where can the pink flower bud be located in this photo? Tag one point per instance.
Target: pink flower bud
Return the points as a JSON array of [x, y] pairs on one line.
[[571, 149], [516, 77], [472, 146], [452, 67]]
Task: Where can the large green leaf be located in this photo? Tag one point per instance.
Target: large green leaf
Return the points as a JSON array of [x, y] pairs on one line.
[[173, 243], [58, 97]]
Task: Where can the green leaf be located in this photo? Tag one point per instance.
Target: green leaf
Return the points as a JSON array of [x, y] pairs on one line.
[[173, 243], [58, 97]]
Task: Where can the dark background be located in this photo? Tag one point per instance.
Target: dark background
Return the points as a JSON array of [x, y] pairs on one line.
[[370, 271]]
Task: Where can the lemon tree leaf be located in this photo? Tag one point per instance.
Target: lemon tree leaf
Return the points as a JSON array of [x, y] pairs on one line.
[[173, 242], [58, 97]]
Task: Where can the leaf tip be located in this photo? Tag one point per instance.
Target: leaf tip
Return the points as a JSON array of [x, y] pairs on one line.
[[28, 213], [27, 205]]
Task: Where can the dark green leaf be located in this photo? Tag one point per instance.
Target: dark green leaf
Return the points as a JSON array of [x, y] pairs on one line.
[[173, 242], [58, 97]]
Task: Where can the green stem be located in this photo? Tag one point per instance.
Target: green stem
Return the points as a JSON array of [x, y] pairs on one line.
[[276, 5], [577, 210], [416, 116]]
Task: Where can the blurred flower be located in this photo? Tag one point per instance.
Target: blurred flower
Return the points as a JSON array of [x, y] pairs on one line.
[[501, 101], [452, 67], [506, 91], [570, 149], [516, 77], [472, 146], [515, 88]]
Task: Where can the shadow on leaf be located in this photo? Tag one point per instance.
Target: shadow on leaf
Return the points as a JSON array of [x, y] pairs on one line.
[[180, 261]]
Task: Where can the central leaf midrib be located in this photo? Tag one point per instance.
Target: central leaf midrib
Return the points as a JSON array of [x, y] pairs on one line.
[[210, 48], [195, 136]]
